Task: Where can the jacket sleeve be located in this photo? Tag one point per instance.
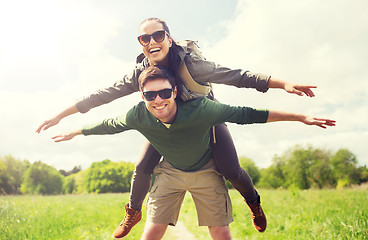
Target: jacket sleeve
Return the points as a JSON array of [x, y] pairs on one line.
[[204, 71], [126, 86]]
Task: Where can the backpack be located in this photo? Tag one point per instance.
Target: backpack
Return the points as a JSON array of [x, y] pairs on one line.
[[192, 86]]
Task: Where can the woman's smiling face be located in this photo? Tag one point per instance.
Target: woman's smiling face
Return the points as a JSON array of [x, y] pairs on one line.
[[157, 53]]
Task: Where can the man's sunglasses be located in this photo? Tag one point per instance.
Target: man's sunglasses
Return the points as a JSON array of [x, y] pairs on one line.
[[163, 93], [158, 36]]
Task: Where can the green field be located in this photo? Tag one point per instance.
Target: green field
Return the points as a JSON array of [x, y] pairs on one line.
[[291, 214]]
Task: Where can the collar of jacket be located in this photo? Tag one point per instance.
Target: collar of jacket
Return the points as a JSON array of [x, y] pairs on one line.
[[141, 58]]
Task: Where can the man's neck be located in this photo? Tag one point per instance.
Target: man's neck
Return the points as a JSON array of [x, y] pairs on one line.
[[170, 119]]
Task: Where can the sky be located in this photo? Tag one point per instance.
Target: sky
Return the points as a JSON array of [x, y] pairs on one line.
[[52, 53]]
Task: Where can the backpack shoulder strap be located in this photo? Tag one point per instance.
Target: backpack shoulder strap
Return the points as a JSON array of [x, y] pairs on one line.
[[190, 83]]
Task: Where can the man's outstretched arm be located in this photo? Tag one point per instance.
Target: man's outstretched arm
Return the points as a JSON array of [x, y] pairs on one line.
[[276, 116], [67, 136]]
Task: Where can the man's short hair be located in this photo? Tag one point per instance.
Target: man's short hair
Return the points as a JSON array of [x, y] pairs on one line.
[[153, 73]]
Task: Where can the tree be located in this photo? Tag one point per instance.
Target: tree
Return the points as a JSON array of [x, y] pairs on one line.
[[107, 176], [299, 167], [273, 176], [363, 174], [41, 178], [11, 171], [320, 174], [76, 183], [69, 184], [344, 168], [74, 170]]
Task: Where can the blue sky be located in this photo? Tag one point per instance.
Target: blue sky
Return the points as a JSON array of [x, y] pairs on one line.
[[54, 52]]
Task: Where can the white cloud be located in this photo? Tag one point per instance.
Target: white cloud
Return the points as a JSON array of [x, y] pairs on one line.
[[310, 42], [51, 58]]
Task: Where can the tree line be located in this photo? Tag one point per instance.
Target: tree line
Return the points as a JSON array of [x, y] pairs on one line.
[[22, 177], [305, 168], [299, 167]]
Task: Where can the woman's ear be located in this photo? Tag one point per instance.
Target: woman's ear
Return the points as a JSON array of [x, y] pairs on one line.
[[170, 41]]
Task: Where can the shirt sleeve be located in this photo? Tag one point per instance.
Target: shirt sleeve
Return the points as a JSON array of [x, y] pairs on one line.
[[204, 71], [108, 126], [121, 88], [219, 113]]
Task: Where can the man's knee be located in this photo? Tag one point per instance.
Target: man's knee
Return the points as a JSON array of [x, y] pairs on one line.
[[153, 231], [220, 232]]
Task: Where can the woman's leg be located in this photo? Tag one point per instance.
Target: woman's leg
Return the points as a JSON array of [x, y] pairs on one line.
[[228, 165], [227, 161], [141, 180]]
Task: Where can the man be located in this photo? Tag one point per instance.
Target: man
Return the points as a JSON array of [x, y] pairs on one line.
[[180, 131]]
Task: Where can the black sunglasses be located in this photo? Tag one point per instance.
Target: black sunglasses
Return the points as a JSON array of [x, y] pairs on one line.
[[163, 93], [158, 36]]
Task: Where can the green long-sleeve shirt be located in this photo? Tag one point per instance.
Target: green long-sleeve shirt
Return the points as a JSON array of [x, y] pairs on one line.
[[186, 143]]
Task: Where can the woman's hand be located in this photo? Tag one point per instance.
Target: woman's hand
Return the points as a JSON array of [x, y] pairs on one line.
[[55, 120], [48, 123], [299, 89]]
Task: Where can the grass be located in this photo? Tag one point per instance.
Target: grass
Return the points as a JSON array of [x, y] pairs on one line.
[[291, 214], [61, 217], [295, 214]]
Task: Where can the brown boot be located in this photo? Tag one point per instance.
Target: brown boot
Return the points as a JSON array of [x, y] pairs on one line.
[[131, 218], [258, 216]]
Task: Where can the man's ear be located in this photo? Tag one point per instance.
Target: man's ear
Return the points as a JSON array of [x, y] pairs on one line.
[[175, 92], [142, 95]]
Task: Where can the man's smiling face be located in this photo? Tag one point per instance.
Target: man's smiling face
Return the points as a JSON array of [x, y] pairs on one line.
[[162, 109]]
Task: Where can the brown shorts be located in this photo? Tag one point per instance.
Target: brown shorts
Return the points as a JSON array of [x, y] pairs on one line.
[[208, 191]]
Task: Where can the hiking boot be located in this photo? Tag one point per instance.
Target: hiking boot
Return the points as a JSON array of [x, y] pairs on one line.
[[131, 218], [258, 216]]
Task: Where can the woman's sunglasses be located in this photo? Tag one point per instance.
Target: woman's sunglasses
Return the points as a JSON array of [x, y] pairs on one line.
[[163, 93], [158, 36]]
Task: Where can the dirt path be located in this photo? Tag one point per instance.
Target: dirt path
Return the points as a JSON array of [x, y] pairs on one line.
[[179, 232]]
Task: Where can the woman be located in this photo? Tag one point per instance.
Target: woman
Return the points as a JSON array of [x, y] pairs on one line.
[[160, 49]]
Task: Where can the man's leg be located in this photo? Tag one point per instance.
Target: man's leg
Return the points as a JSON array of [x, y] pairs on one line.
[[141, 182], [164, 201], [212, 200], [225, 156], [153, 231], [220, 232]]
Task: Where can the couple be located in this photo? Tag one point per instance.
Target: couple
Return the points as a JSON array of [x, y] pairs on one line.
[[180, 131], [160, 49]]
